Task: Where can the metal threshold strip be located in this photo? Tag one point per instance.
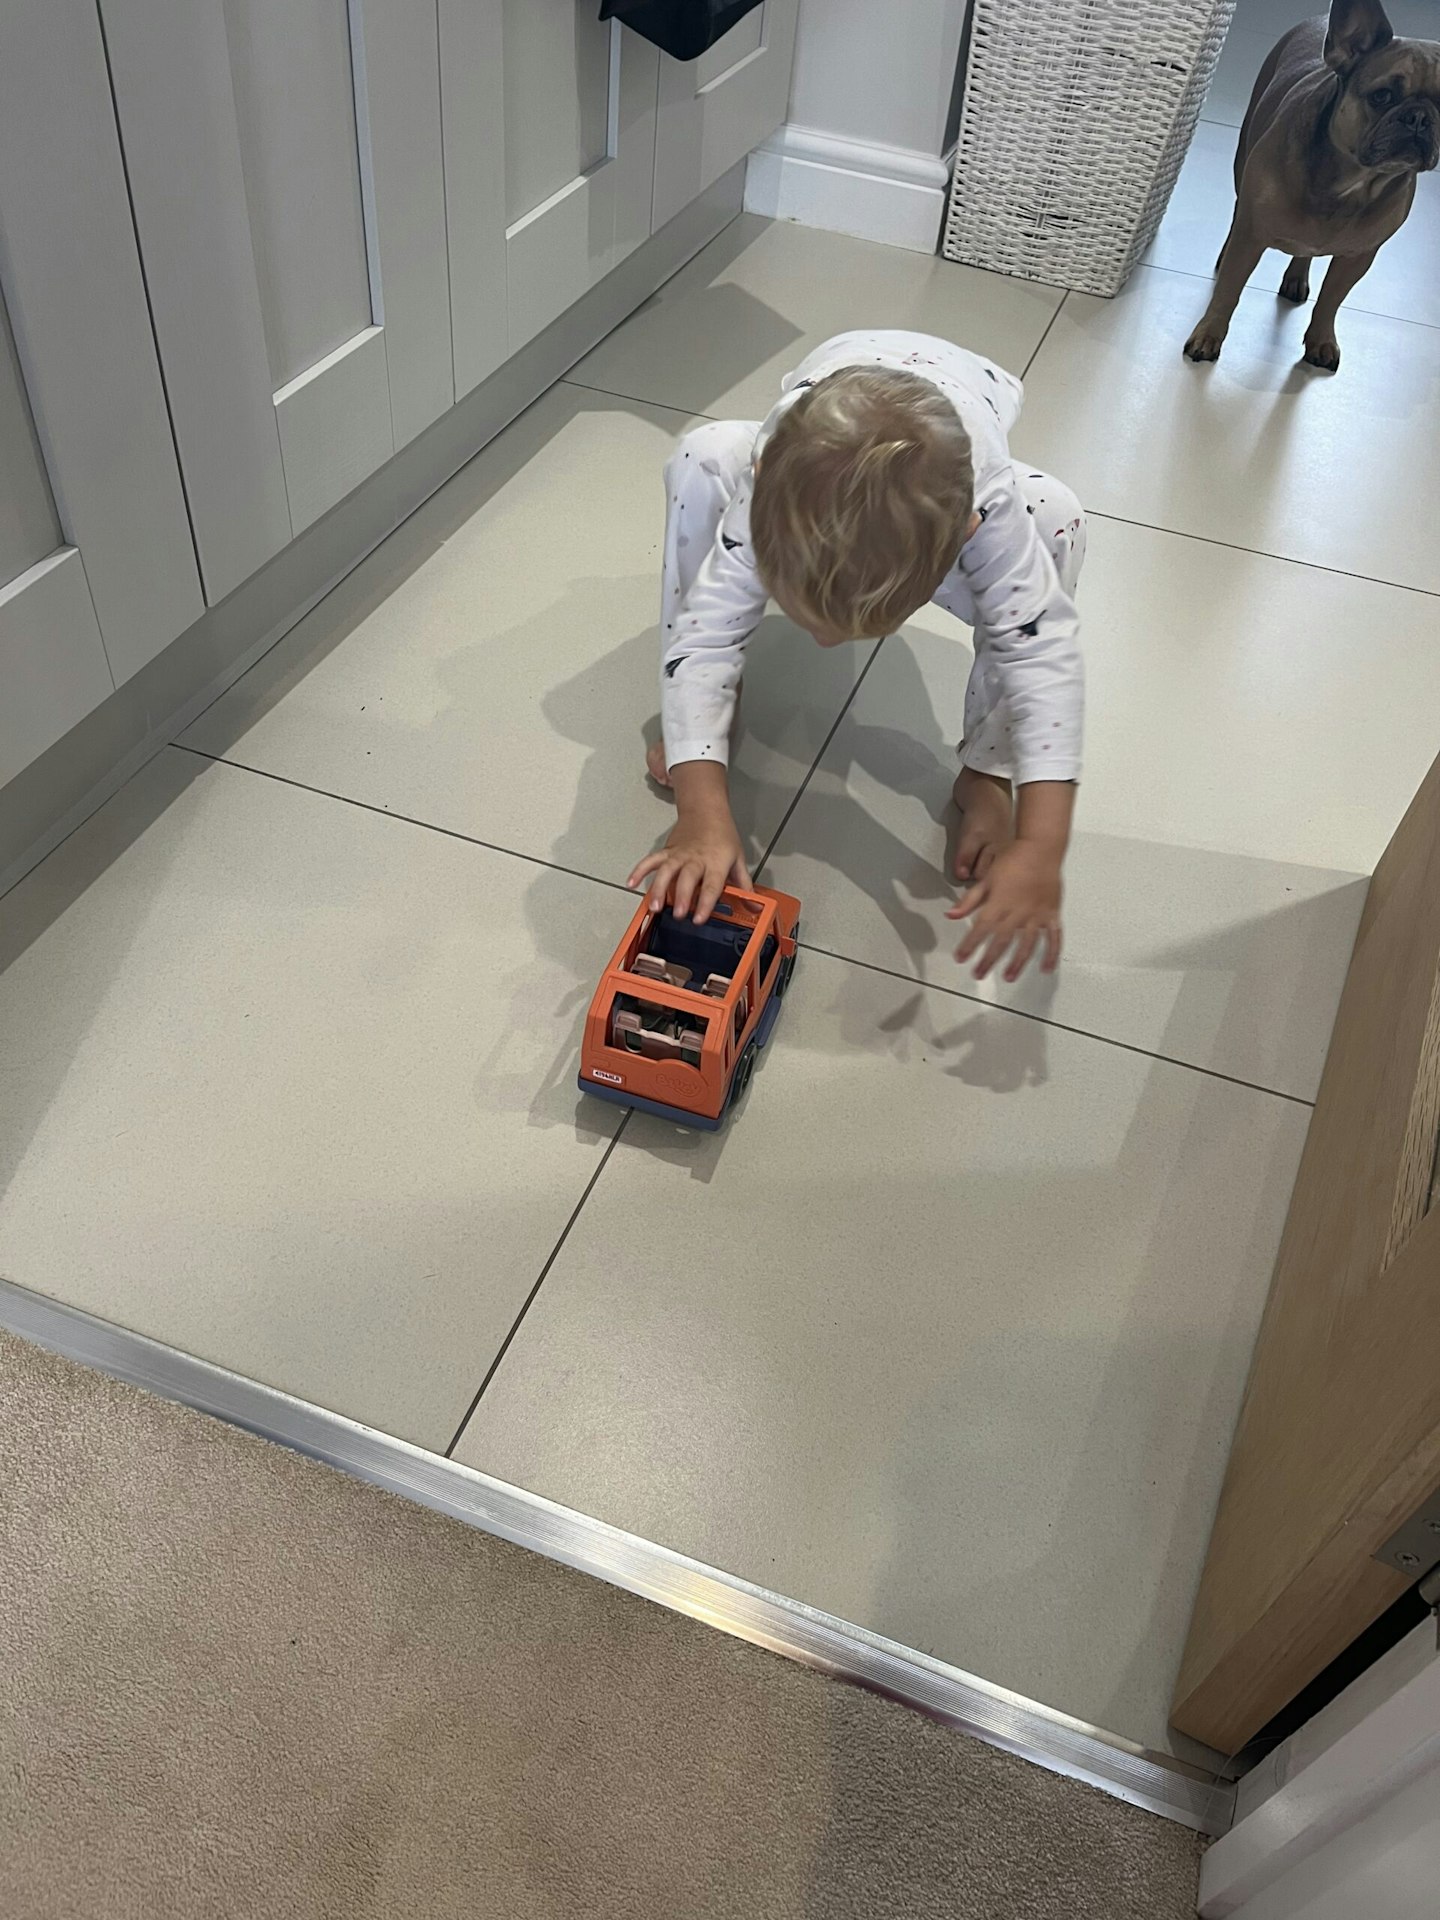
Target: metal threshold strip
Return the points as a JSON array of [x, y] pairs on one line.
[[1159, 1784]]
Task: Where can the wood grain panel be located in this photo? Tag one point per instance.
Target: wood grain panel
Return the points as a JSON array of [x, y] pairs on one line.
[[1339, 1437]]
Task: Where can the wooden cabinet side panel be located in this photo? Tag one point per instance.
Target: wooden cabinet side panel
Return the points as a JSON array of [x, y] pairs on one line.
[[1345, 1384]]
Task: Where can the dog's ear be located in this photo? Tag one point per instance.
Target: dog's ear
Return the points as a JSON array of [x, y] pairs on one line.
[[1357, 27]]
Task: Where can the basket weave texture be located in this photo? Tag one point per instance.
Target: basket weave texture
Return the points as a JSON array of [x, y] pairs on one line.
[[1075, 121]]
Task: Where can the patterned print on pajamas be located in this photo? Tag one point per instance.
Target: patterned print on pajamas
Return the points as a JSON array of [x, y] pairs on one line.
[[1013, 582]]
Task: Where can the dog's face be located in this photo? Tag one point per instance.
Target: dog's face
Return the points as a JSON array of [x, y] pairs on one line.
[[1387, 116]]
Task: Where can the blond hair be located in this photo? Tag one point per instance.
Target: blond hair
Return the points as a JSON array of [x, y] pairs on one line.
[[863, 495]]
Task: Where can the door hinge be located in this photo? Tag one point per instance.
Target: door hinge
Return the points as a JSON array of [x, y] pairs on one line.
[[1414, 1549]]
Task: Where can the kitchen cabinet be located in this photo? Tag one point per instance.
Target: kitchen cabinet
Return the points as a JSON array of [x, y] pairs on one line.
[[550, 164], [569, 139], [52, 660], [251, 249], [715, 110], [97, 569], [287, 177]]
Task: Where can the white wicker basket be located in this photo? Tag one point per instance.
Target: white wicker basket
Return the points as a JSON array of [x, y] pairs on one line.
[[1075, 119]]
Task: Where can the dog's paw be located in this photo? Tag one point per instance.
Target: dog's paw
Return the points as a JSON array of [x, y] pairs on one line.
[[1322, 353], [1296, 285], [1204, 343]]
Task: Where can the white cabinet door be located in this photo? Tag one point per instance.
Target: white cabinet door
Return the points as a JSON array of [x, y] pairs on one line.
[[286, 167], [550, 158], [715, 110], [97, 568], [53, 668]]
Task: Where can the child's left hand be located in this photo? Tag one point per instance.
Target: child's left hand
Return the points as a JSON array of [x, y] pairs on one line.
[[1016, 904]]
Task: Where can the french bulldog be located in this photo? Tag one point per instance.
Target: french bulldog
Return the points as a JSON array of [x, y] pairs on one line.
[[1343, 120]]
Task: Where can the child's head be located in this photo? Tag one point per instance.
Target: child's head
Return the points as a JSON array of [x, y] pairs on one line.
[[863, 499]]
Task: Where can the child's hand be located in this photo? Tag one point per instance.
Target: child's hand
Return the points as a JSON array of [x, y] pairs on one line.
[[702, 855], [1016, 904]]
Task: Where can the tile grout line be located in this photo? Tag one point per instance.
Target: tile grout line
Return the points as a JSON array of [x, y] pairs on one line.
[[407, 819], [493, 846], [1263, 553], [635, 399], [1045, 335], [533, 1294], [575, 873], [1060, 1026], [693, 413], [1190, 273], [1179, 533], [814, 766]]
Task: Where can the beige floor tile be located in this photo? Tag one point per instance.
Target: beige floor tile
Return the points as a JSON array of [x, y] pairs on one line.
[[949, 1331], [1249, 40], [1232, 965], [1229, 961], [1236, 785], [947, 1335], [1404, 282], [1341, 470], [1244, 705], [721, 335], [493, 667], [292, 1087]]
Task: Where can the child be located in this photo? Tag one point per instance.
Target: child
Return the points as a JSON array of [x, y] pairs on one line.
[[881, 480]]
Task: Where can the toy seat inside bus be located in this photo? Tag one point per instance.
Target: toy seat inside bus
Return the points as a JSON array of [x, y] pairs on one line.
[[703, 960]]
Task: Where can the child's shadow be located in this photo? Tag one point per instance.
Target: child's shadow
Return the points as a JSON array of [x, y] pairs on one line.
[[609, 708], [880, 813], [907, 754], [795, 692], [987, 1049]]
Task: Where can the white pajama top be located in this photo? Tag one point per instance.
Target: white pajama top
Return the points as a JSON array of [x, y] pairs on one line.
[[1004, 583]]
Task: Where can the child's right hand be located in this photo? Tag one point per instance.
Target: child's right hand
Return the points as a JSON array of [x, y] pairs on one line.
[[701, 857]]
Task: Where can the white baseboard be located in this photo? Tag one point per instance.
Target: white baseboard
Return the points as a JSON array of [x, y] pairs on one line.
[[890, 194]]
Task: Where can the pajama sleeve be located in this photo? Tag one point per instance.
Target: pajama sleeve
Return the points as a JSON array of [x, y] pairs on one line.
[[1032, 631], [705, 645]]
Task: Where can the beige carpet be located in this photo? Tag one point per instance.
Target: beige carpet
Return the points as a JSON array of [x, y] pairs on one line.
[[234, 1683]]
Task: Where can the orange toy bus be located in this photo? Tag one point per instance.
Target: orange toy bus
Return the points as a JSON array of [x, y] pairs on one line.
[[682, 1011]]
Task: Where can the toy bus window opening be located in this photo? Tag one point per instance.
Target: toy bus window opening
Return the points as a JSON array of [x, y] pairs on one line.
[[716, 949]]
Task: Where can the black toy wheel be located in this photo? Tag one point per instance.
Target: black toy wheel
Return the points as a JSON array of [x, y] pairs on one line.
[[787, 968], [745, 1067]]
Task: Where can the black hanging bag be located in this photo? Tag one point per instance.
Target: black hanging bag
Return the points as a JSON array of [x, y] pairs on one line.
[[682, 28]]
